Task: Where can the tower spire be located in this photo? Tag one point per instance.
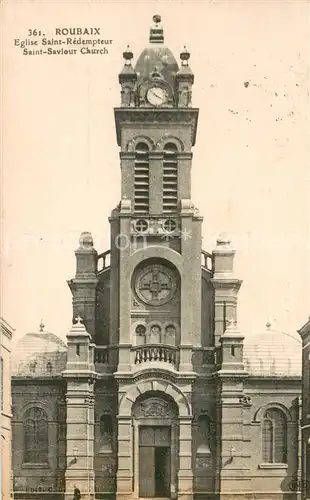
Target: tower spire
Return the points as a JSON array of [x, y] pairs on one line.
[[156, 32]]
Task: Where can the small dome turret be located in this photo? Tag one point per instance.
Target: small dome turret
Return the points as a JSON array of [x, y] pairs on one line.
[[39, 354], [272, 353]]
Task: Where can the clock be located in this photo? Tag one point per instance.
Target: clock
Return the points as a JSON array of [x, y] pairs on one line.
[[157, 96]]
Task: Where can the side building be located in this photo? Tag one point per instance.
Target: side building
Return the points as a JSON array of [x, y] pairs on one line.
[[304, 332], [6, 408]]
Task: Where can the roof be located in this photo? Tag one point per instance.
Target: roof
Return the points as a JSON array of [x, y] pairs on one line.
[[39, 354], [273, 353]]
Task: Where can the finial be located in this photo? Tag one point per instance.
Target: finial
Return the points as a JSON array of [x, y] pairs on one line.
[[127, 55], [156, 33], [86, 240], [156, 19], [78, 319], [268, 325], [184, 56], [41, 326], [223, 239]]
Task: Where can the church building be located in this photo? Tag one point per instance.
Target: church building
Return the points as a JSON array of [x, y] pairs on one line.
[[156, 393]]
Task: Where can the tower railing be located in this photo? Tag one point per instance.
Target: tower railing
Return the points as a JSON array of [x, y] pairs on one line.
[[207, 260], [103, 261]]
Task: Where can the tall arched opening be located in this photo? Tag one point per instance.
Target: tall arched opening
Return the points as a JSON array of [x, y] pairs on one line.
[[155, 445]]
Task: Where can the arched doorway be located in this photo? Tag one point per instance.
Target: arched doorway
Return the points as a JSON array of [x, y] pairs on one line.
[[155, 440]]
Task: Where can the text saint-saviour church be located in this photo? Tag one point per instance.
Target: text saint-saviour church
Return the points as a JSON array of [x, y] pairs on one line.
[[156, 393]]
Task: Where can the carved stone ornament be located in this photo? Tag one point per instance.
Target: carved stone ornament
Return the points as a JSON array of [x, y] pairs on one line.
[[155, 407], [204, 462]]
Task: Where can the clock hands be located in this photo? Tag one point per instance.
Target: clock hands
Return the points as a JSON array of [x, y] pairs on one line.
[[157, 95]]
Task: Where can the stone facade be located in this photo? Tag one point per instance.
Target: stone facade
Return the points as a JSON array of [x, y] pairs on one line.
[[157, 393], [305, 423], [6, 409]]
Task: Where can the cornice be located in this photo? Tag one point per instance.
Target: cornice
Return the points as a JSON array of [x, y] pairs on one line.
[[6, 329], [157, 373], [28, 380], [156, 115], [304, 330]]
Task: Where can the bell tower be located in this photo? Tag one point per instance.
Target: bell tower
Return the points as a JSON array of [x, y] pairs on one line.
[[156, 231]]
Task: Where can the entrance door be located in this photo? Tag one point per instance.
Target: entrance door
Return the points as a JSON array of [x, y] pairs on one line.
[[162, 471], [154, 462]]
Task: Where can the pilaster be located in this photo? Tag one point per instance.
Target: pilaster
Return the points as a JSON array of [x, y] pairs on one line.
[[232, 471], [80, 418], [156, 182], [83, 286], [226, 286], [124, 477], [185, 472], [127, 171], [191, 279]]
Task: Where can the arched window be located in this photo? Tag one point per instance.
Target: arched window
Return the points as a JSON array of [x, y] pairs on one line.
[[35, 436], [274, 436], [170, 178], [141, 178], [170, 334], [154, 336]]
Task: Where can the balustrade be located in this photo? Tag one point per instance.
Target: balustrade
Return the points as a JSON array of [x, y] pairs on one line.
[[208, 356], [103, 261], [159, 353], [102, 355], [207, 260]]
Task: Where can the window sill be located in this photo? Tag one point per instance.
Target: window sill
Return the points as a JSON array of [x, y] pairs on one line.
[[272, 466], [31, 465]]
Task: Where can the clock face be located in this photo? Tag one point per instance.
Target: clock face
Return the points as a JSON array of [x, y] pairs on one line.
[[157, 96]]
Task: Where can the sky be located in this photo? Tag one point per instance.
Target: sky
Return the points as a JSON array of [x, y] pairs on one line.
[[250, 175]]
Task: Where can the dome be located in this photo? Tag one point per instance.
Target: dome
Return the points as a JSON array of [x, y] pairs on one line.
[[157, 58], [39, 354], [273, 353]]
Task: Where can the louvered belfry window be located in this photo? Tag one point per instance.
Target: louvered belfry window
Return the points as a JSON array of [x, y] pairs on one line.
[[141, 178], [170, 179], [274, 437]]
